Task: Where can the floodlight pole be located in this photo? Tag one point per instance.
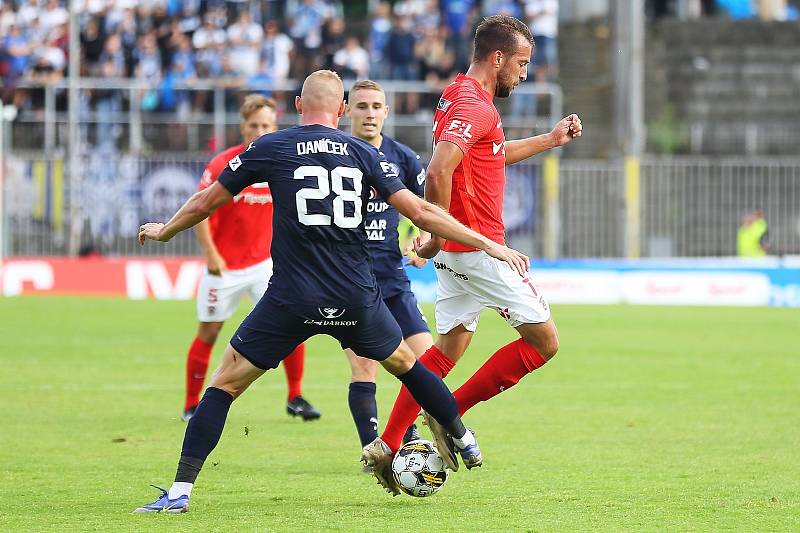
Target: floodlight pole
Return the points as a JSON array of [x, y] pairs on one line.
[[2, 185], [628, 27], [75, 181]]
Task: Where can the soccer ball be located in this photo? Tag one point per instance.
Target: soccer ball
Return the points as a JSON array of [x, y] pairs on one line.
[[419, 469]]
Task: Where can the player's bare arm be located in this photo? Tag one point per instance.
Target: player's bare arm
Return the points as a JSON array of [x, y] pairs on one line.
[[438, 189], [433, 218], [214, 260], [567, 129], [197, 208]]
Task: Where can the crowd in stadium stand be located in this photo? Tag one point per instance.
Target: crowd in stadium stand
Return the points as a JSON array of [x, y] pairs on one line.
[[251, 44], [255, 44]]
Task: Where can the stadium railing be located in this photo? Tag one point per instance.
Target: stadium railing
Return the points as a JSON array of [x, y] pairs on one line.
[[130, 112], [687, 207]]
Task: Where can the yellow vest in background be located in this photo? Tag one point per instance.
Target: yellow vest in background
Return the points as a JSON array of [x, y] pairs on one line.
[[748, 239]]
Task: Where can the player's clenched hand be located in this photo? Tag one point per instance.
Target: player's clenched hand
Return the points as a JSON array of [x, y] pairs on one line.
[[429, 248], [216, 264], [150, 230], [518, 261], [568, 128]]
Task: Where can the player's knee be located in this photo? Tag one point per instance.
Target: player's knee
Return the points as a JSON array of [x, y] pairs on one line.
[[400, 361], [547, 346]]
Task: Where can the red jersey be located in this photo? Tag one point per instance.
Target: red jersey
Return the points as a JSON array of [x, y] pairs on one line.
[[467, 117], [241, 229]]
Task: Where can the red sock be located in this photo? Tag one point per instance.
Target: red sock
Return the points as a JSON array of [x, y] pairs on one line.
[[502, 371], [405, 408], [196, 367], [293, 365]]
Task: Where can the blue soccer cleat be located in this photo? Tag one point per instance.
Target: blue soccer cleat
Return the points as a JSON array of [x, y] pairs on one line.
[[471, 455], [164, 505]]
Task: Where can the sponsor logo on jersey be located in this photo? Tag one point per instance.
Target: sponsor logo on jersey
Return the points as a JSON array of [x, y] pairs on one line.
[[376, 229], [421, 176], [376, 204], [496, 147], [331, 312], [345, 323], [250, 198], [235, 163], [442, 266], [329, 316], [443, 104], [390, 169], [251, 145], [460, 128]]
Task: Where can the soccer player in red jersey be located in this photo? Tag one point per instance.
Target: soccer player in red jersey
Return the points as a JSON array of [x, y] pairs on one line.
[[467, 175], [237, 251]]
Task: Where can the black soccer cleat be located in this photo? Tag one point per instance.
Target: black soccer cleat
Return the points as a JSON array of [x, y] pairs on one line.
[[411, 434], [298, 406]]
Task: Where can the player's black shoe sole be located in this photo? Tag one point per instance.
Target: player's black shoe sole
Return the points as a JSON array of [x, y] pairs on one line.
[[411, 434], [298, 406]]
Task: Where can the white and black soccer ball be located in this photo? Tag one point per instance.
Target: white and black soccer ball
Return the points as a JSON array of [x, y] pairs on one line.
[[419, 469]]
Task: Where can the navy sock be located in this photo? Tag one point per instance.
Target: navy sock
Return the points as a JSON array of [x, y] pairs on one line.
[[203, 433], [364, 409], [433, 395]]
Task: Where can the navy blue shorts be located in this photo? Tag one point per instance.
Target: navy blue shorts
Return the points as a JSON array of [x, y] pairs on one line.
[[273, 330], [406, 311]]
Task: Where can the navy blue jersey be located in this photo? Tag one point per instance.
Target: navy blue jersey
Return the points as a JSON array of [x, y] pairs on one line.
[[320, 179], [382, 218]]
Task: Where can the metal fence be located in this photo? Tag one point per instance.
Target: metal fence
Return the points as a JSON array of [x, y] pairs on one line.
[[686, 207], [205, 112]]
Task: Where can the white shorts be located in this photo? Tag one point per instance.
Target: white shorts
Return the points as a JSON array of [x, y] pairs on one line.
[[472, 281], [218, 296]]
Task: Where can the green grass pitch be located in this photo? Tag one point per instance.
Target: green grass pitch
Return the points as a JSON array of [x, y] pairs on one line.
[[650, 418]]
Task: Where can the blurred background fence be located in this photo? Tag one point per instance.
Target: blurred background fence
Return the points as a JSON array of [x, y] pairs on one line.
[[690, 110], [685, 207]]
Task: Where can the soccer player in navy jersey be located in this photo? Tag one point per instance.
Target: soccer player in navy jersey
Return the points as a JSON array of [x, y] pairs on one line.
[[367, 109], [322, 280]]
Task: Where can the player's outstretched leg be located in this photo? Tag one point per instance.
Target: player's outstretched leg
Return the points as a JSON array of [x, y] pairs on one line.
[[405, 408], [296, 405], [509, 364], [430, 392], [204, 429], [197, 364]]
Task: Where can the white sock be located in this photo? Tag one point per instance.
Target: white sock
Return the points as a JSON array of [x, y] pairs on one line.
[[179, 489], [467, 440]]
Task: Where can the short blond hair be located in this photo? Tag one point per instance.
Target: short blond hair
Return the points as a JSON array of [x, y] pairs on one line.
[[319, 93], [254, 102], [367, 85]]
